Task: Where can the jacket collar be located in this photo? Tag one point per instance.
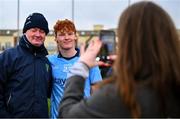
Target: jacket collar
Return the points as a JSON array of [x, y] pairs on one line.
[[40, 51]]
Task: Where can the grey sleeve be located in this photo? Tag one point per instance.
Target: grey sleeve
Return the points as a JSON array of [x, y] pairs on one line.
[[79, 69], [73, 103], [73, 94]]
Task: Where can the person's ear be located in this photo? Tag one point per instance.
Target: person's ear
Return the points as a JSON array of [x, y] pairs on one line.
[[76, 38], [55, 39]]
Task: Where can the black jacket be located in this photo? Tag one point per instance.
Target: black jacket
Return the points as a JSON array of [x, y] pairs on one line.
[[107, 103], [25, 74]]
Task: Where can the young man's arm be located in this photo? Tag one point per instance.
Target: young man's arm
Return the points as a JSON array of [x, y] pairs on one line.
[[95, 78], [94, 87]]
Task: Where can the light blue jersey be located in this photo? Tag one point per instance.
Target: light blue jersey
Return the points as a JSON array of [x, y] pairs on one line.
[[60, 69]]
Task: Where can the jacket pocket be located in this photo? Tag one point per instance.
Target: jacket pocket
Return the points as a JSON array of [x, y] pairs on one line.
[[8, 103], [9, 99]]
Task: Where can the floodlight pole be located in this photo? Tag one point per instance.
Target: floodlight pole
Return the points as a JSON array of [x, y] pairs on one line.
[[129, 2], [73, 10], [18, 13]]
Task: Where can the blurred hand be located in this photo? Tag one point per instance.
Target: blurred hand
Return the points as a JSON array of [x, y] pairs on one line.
[[111, 59], [89, 56]]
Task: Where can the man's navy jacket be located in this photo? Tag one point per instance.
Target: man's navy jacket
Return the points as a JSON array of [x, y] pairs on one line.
[[25, 73]]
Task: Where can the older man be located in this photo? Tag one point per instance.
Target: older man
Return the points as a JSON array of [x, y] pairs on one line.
[[25, 72]]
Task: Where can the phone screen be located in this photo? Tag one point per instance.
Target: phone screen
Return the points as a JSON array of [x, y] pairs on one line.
[[108, 39], [108, 48]]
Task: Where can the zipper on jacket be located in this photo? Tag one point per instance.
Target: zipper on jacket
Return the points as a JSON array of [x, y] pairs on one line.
[[34, 84]]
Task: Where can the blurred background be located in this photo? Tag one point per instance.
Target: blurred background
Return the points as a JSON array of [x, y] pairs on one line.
[[89, 16]]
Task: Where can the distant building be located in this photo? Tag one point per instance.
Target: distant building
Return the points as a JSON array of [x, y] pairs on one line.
[[98, 27], [8, 39]]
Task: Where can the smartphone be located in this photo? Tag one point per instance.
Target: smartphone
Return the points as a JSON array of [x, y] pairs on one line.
[[108, 39]]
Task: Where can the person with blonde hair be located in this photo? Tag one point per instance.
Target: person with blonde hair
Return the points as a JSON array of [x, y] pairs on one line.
[[146, 73]]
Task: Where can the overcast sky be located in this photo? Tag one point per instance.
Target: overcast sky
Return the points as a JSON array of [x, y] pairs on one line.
[[86, 12]]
